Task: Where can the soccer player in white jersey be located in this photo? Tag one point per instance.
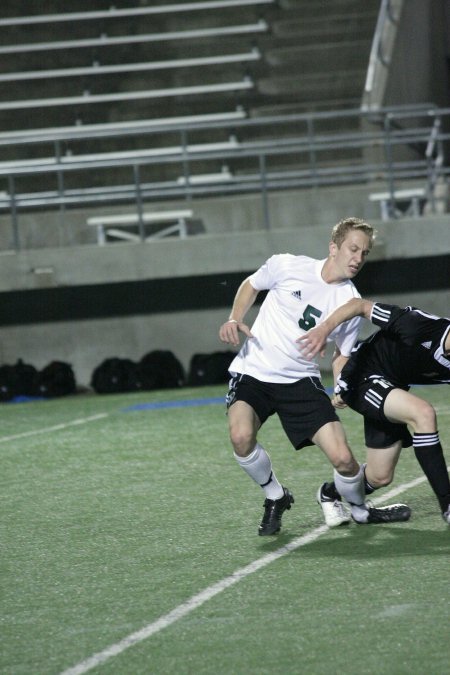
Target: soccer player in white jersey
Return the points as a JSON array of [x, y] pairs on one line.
[[411, 347], [269, 374]]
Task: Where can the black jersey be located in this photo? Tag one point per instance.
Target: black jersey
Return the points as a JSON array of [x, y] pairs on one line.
[[409, 349]]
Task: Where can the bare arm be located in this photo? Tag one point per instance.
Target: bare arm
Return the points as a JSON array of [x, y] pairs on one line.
[[314, 341], [447, 344], [243, 300]]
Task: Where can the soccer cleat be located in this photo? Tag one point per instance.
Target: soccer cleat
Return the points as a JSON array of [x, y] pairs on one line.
[[446, 515], [273, 510], [334, 511], [394, 513]]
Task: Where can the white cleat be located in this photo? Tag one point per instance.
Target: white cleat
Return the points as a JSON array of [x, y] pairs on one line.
[[334, 511]]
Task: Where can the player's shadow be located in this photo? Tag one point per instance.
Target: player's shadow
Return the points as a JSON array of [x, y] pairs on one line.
[[365, 542], [368, 543]]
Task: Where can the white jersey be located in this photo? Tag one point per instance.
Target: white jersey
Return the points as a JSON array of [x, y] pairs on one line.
[[298, 299]]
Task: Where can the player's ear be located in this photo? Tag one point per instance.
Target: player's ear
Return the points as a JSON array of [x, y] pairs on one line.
[[332, 247]]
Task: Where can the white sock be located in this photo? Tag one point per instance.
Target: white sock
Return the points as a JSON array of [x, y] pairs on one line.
[[259, 467], [352, 489]]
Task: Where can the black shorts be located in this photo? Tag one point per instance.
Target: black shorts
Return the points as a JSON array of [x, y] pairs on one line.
[[368, 399], [303, 406]]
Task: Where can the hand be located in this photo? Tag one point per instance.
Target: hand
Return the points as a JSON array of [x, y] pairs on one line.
[[229, 332], [337, 402], [313, 342]]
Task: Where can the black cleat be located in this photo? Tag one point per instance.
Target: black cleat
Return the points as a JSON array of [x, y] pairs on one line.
[[273, 510], [394, 513]]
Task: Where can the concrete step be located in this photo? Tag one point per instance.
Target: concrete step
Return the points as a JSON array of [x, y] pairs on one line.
[[300, 107], [341, 84], [319, 57], [318, 7], [328, 27]]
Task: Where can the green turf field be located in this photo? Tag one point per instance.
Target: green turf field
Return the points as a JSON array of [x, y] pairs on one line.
[[129, 546]]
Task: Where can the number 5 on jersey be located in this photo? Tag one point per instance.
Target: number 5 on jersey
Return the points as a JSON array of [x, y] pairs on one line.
[[308, 320]]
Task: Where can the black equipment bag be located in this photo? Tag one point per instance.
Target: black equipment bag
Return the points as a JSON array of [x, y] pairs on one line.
[[19, 379], [56, 379], [115, 375], [7, 383], [160, 369], [210, 368]]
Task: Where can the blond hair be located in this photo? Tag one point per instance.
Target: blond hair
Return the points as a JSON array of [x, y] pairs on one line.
[[343, 227]]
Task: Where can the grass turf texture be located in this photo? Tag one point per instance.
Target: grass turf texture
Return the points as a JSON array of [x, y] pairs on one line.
[[109, 524]]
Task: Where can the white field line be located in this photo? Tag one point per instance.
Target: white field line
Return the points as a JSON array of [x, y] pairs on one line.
[[200, 598], [398, 490], [56, 427], [195, 601]]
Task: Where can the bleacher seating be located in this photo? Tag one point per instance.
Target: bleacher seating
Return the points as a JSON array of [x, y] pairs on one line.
[[107, 60], [109, 67], [96, 69], [110, 59]]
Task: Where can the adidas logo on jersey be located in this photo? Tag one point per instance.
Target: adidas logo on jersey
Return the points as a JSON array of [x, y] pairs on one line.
[[427, 345], [297, 294]]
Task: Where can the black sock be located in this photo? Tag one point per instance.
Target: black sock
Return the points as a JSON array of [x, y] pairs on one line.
[[368, 488], [428, 451], [329, 490]]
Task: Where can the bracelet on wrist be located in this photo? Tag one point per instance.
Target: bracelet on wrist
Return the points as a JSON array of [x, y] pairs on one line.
[[232, 321]]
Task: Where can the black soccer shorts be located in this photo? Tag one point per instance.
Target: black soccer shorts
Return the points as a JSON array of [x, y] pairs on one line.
[[368, 399], [303, 406]]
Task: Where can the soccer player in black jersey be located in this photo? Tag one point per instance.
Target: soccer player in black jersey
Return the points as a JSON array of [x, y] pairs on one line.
[[412, 347]]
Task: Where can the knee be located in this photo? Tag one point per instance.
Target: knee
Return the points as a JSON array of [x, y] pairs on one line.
[[424, 418], [381, 480], [243, 440], [345, 463]]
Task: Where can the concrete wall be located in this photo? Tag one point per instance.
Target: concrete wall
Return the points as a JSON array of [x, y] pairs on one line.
[[418, 72], [85, 343]]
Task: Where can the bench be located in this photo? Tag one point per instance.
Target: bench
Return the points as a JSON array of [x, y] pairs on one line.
[[223, 176], [136, 94], [97, 69], [176, 218], [261, 26], [114, 13], [132, 127], [412, 198]]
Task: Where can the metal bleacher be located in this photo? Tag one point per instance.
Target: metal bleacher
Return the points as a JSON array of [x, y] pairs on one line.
[[122, 55], [177, 101], [96, 69]]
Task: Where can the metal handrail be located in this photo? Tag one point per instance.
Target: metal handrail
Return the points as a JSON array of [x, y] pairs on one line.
[[377, 52], [250, 182], [230, 149], [225, 121], [425, 141], [386, 21]]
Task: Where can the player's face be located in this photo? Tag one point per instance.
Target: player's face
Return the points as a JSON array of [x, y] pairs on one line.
[[352, 254]]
